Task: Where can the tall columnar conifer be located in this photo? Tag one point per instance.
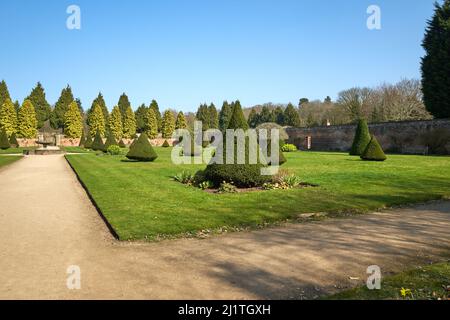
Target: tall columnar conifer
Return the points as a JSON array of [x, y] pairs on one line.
[[291, 116], [213, 117], [27, 122], [123, 104], [8, 117], [181, 121], [41, 106], [61, 106], [155, 107], [361, 140], [129, 123], [4, 93], [97, 121], [151, 124], [168, 125], [140, 115], [225, 116], [97, 144], [73, 122], [115, 123], [436, 63]]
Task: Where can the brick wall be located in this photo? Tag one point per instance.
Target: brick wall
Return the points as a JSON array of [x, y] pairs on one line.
[[407, 137]]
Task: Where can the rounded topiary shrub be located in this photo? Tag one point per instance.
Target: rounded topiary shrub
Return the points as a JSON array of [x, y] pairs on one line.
[[373, 151], [4, 142], [114, 150], [13, 141], [97, 144], [361, 140], [142, 150], [110, 141], [166, 144]]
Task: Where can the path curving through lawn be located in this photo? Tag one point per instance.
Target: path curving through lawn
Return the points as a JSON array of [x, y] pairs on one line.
[[47, 224]]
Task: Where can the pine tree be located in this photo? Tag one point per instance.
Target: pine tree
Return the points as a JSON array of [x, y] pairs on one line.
[[253, 119], [361, 140], [168, 125], [278, 115], [142, 150], [291, 116], [373, 151], [237, 120], [73, 122], [155, 107], [436, 63], [213, 117], [101, 102], [129, 123], [16, 106], [8, 117], [41, 106], [115, 123], [181, 121], [97, 121], [151, 124], [203, 116], [13, 141], [224, 116], [140, 115], [27, 122], [61, 106], [123, 105], [4, 142], [4, 93], [266, 115], [88, 141]]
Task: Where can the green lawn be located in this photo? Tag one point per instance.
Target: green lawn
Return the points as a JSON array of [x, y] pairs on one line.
[[5, 160], [141, 201], [425, 283], [15, 150]]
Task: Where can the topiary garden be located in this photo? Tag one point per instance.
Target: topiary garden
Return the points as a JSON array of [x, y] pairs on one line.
[[142, 150]]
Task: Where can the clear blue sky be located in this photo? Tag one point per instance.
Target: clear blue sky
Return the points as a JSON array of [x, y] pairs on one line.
[[185, 52]]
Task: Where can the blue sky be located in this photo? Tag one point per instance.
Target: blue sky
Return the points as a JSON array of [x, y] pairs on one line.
[[185, 52]]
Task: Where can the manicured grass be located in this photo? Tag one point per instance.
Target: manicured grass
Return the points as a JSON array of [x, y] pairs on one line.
[[425, 283], [15, 150], [5, 160], [77, 150], [141, 200]]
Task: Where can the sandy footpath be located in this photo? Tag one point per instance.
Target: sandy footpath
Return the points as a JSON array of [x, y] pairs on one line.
[[47, 224]]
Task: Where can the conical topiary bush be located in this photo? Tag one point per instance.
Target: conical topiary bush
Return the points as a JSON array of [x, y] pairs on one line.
[[142, 150], [82, 140], [88, 141], [166, 144], [97, 144], [110, 141], [122, 144], [373, 151], [361, 140], [4, 142], [13, 141]]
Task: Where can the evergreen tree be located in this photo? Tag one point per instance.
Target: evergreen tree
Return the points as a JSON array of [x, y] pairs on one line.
[[4, 93], [142, 150], [140, 115], [181, 121], [361, 140], [88, 141], [278, 116], [17, 106], [8, 117], [168, 125], [253, 119], [115, 123], [101, 102], [110, 141], [155, 107], [97, 121], [27, 122], [213, 117], [151, 124], [61, 106], [123, 105], [4, 142], [373, 151], [203, 116], [303, 101], [224, 116], [291, 116], [97, 144], [327, 100], [237, 120], [73, 122], [129, 123], [436, 63], [41, 106], [82, 139], [265, 115], [13, 141]]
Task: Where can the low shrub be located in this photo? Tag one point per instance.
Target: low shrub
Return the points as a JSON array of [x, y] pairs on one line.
[[185, 177], [226, 187], [205, 185], [283, 180], [373, 152], [288, 148], [142, 150], [241, 175], [114, 150]]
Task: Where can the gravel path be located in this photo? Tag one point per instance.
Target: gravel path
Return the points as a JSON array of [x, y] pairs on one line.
[[47, 224]]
